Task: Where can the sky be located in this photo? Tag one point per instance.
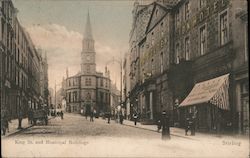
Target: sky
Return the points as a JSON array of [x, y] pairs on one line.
[[57, 26]]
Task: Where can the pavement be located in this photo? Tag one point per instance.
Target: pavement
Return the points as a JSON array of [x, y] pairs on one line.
[[179, 132], [13, 127]]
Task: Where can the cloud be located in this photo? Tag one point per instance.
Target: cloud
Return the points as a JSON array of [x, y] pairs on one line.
[[63, 47]]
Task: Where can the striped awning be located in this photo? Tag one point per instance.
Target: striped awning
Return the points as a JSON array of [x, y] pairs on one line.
[[214, 91]]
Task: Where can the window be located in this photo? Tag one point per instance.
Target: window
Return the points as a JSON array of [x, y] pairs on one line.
[[187, 47], [223, 28], [187, 10], [177, 18], [161, 59], [88, 68], [177, 54], [152, 67], [88, 81], [202, 3], [74, 96], [162, 29], [203, 40], [101, 82], [152, 38]]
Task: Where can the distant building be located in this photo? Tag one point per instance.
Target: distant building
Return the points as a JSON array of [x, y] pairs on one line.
[[88, 89], [115, 98]]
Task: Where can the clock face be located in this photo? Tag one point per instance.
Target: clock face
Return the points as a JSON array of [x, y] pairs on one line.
[[88, 58]]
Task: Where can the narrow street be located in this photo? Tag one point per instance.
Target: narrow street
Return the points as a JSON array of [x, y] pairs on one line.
[[76, 136]]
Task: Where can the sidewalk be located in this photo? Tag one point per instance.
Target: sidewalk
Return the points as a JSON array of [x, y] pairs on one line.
[[13, 127], [179, 132]]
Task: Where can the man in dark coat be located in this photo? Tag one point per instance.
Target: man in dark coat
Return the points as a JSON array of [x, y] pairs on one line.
[[165, 126], [108, 116], [135, 117]]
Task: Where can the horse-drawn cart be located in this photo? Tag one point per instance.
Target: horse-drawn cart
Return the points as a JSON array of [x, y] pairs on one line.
[[41, 115]]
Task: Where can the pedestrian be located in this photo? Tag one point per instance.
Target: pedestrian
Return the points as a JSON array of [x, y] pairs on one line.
[[92, 116], [165, 126], [108, 116], [188, 125], [4, 122], [121, 118], [159, 125], [29, 116], [193, 124], [86, 114], [94, 113], [135, 117], [20, 118], [61, 114]]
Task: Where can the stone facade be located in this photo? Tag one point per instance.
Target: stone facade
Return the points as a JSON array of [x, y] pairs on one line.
[[19, 65], [205, 36], [198, 40], [150, 55]]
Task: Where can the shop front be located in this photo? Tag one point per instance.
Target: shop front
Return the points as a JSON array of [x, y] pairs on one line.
[[209, 102]]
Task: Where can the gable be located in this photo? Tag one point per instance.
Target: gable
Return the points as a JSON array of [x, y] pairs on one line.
[[157, 15]]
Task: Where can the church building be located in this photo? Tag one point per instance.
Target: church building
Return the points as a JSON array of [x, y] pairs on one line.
[[88, 89]]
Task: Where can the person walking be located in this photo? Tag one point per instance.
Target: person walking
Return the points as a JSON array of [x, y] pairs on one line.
[[165, 126], [61, 114], [187, 125], [108, 116], [159, 125], [92, 116], [20, 118], [135, 117], [121, 118], [4, 123]]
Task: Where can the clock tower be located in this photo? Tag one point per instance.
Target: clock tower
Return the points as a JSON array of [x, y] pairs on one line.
[[88, 65]]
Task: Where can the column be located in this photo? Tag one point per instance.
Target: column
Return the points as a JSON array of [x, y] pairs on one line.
[[151, 104]]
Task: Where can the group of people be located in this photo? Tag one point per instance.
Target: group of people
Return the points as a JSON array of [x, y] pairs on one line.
[[92, 114], [58, 113]]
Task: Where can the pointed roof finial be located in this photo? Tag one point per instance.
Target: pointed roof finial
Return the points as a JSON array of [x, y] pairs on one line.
[[88, 29]]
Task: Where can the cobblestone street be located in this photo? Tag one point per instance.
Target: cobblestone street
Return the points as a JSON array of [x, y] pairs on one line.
[[76, 136]]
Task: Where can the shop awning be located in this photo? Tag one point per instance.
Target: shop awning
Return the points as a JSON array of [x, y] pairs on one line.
[[214, 91]]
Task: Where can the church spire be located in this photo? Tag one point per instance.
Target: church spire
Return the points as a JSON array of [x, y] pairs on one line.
[[88, 29]]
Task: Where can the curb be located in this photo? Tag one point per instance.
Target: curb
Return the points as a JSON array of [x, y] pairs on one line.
[[158, 132]]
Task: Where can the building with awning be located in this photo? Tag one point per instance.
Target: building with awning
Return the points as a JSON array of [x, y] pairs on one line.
[[210, 101], [214, 91]]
